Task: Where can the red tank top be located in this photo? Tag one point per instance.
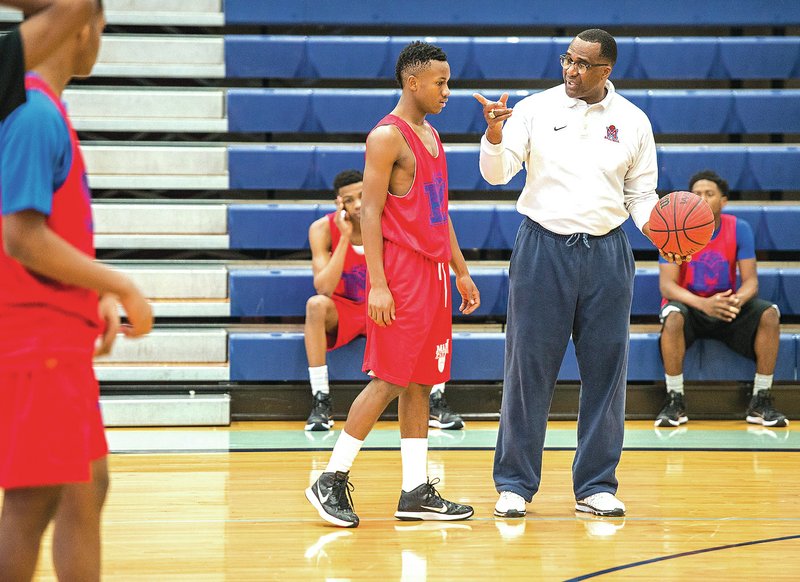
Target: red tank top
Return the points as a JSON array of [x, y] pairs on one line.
[[41, 315], [419, 220], [353, 283], [712, 270]]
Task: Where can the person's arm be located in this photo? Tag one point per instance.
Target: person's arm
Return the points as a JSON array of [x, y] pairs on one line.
[[383, 150], [504, 147], [28, 240], [470, 296], [326, 266], [48, 24], [720, 305], [749, 276]]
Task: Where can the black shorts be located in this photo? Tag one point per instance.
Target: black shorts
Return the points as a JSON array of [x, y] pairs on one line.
[[739, 334]]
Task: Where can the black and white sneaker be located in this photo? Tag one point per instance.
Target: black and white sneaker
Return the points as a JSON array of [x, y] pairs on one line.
[[762, 412], [425, 503], [674, 411], [320, 417], [330, 496], [440, 414]]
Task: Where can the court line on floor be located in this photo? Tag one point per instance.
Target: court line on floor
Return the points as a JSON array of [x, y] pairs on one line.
[[680, 555]]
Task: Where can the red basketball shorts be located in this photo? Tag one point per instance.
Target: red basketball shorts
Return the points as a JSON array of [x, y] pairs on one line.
[[50, 424], [352, 321], [416, 346]]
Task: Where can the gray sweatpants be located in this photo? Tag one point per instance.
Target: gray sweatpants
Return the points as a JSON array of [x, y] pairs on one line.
[[560, 285]]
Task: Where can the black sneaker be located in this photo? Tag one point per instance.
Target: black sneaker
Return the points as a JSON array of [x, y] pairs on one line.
[[330, 495], [320, 417], [761, 411], [674, 411], [440, 414], [425, 503]]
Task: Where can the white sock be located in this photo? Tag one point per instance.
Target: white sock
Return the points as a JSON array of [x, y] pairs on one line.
[[344, 453], [319, 379], [674, 383], [762, 382], [414, 453], [438, 388]]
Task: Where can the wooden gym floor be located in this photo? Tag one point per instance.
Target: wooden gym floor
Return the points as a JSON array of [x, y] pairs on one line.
[[717, 500]]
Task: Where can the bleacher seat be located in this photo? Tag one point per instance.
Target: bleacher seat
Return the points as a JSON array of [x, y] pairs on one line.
[[282, 292], [479, 225], [152, 12], [670, 111], [150, 109], [513, 57], [302, 167], [478, 356], [173, 56], [514, 13]]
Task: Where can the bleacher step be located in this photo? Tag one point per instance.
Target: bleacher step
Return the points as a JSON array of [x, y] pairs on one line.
[[167, 410]]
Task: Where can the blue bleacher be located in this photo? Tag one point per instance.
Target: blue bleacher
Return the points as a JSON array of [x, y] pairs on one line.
[[313, 167], [670, 111], [280, 357], [513, 13], [283, 292], [478, 58], [478, 226]]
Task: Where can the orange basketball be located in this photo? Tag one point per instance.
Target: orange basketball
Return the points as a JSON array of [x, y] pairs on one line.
[[681, 223]]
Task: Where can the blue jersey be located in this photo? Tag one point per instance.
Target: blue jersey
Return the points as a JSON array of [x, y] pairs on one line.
[[35, 156]]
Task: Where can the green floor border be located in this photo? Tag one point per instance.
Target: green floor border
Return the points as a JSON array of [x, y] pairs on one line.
[[753, 438]]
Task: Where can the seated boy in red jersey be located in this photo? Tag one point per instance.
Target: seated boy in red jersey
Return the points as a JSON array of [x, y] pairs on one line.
[[701, 301], [52, 440], [337, 314]]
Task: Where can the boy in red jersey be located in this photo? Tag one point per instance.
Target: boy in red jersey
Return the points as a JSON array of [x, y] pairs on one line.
[[47, 24], [408, 242], [701, 300], [52, 442], [337, 314]]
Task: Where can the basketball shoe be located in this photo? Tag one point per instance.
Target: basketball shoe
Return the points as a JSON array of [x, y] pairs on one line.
[[762, 412], [425, 503], [510, 504], [330, 496], [440, 414], [604, 503], [320, 417], [674, 411]]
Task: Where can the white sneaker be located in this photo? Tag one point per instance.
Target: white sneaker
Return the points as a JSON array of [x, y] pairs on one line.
[[510, 505], [601, 504]]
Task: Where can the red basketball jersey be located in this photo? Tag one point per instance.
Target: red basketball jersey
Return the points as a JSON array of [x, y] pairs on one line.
[[353, 283], [419, 220], [39, 315], [713, 269]]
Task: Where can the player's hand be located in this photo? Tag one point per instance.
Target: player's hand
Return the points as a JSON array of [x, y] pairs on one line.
[[380, 306], [138, 311], [673, 258], [722, 306], [494, 112], [470, 296], [341, 220], [109, 314]]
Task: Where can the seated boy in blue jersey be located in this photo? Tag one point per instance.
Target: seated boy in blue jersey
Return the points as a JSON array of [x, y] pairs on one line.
[[701, 300], [338, 313]]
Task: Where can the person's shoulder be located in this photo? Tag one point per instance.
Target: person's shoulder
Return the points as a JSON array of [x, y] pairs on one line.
[[320, 227], [628, 108], [553, 94], [37, 111]]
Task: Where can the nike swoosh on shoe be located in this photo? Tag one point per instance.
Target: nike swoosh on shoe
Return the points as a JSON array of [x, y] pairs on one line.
[[442, 509]]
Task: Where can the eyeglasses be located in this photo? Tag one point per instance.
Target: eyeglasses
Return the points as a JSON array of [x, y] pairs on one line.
[[582, 66]]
